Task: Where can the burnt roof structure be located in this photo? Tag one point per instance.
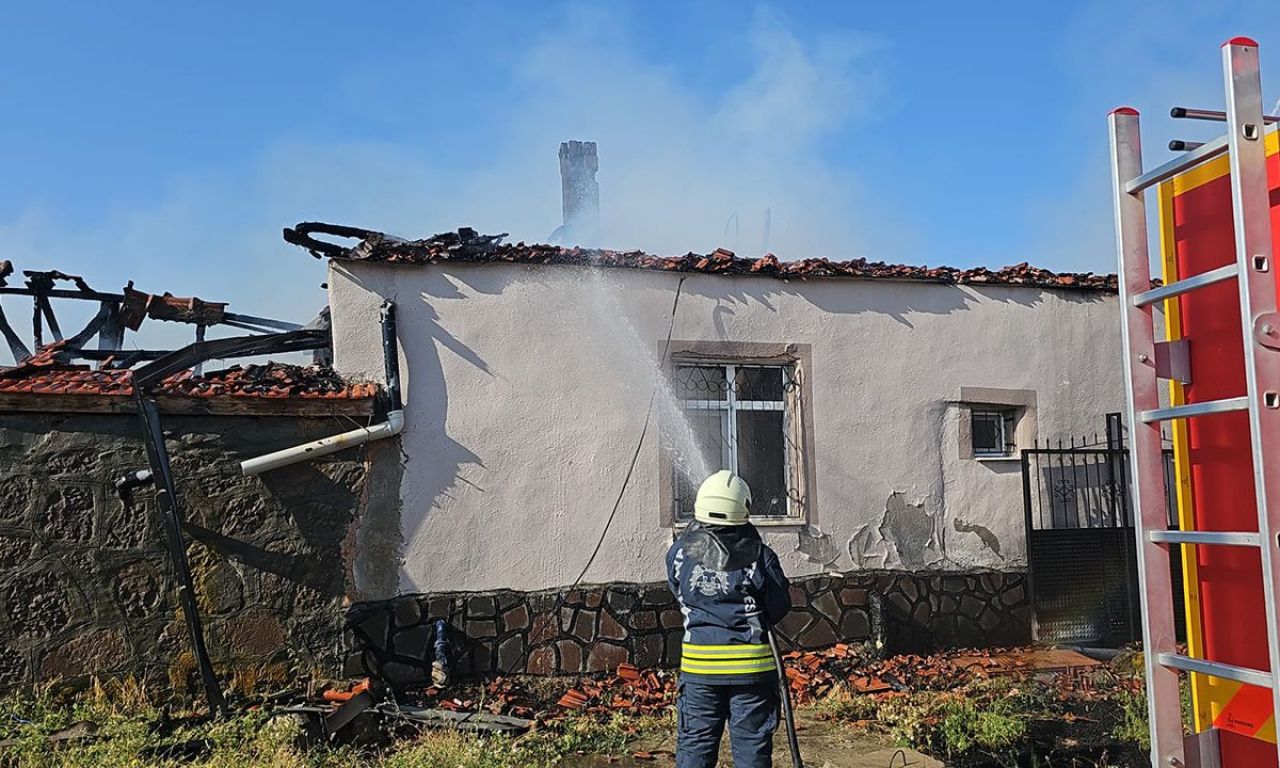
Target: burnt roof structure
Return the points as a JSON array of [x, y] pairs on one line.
[[91, 370], [44, 382], [468, 246]]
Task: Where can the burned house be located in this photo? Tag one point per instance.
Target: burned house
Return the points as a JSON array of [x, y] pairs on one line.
[[561, 404]]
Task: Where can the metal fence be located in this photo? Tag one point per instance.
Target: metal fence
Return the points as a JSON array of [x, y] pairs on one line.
[[1080, 541]]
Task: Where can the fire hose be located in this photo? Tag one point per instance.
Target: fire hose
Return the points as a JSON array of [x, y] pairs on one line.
[[784, 702]]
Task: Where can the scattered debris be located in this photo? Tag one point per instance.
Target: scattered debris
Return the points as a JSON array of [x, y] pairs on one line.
[[355, 705], [331, 722], [463, 721], [81, 732], [812, 675], [630, 692], [181, 751], [85, 730], [342, 696], [466, 245]]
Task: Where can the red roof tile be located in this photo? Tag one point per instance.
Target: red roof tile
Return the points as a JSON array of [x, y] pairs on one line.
[[467, 246], [43, 374]]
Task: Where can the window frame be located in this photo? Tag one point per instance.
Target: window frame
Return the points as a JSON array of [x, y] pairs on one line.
[[1007, 419], [732, 405], [799, 455], [1020, 433]]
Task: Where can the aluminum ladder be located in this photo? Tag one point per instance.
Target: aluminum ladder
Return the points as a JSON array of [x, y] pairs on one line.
[[1146, 361]]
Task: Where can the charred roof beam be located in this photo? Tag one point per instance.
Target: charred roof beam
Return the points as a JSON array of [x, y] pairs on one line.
[[235, 346], [117, 312]]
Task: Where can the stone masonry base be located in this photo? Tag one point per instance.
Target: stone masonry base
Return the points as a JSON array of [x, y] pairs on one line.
[[596, 628]]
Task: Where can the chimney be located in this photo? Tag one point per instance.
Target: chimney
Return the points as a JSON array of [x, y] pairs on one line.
[[580, 193]]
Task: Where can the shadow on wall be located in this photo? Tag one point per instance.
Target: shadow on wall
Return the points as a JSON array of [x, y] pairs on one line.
[[829, 295], [85, 583], [894, 299], [428, 454], [431, 457], [435, 459]]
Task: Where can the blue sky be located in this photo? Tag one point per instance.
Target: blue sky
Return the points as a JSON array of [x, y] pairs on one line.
[[168, 143]]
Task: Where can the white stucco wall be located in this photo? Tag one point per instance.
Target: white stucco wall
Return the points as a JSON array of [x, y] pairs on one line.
[[526, 389]]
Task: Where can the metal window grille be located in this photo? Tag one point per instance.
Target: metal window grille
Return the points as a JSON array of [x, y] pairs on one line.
[[745, 418], [992, 432]]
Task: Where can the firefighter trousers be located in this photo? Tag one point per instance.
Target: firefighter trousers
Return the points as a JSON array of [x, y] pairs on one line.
[[751, 712]]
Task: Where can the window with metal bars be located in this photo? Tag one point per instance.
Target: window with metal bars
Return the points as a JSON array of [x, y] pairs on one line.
[[993, 432], [744, 418]]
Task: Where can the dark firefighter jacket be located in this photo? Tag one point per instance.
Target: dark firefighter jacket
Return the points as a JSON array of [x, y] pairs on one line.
[[730, 588]]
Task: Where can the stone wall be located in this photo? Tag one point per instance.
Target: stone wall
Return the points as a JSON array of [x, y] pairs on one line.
[[86, 586], [595, 628]]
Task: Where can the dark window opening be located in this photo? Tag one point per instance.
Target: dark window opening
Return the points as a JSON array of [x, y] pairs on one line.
[[993, 432], [743, 418]]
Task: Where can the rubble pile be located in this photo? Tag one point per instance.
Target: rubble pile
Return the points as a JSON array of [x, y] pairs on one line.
[[814, 675], [811, 675], [630, 692], [269, 380]]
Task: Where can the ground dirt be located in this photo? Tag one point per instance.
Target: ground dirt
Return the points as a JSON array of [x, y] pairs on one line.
[[823, 744]]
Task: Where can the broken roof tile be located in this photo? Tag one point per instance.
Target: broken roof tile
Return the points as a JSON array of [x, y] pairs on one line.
[[467, 246], [138, 305], [43, 374]]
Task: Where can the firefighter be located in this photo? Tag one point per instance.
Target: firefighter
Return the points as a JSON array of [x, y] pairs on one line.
[[731, 590]]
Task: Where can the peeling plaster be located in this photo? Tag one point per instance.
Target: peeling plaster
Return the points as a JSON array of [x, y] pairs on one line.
[[817, 546], [984, 533], [868, 549], [913, 533]]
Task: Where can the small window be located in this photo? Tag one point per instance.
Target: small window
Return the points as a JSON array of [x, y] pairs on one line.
[[993, 432], [741, 417]]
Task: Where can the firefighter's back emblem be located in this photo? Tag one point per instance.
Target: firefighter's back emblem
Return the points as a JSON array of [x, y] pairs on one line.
[[709, 582]]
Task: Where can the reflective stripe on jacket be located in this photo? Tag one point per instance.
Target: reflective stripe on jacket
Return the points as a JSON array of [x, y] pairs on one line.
[[730, 588], [738, 659]]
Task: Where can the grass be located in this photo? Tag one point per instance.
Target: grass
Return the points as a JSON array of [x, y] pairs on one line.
[[990, 717], [127, 724], [986, 722], [1133, 719], [1005, 722]]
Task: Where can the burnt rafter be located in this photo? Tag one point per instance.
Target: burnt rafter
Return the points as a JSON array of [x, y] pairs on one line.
[[45, 281], [117, 312], [465, 244]]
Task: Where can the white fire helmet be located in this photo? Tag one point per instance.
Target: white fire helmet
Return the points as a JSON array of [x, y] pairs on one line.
[[723, 499]]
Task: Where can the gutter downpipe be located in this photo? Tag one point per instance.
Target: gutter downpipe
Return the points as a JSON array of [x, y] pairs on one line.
[[334, 443]]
